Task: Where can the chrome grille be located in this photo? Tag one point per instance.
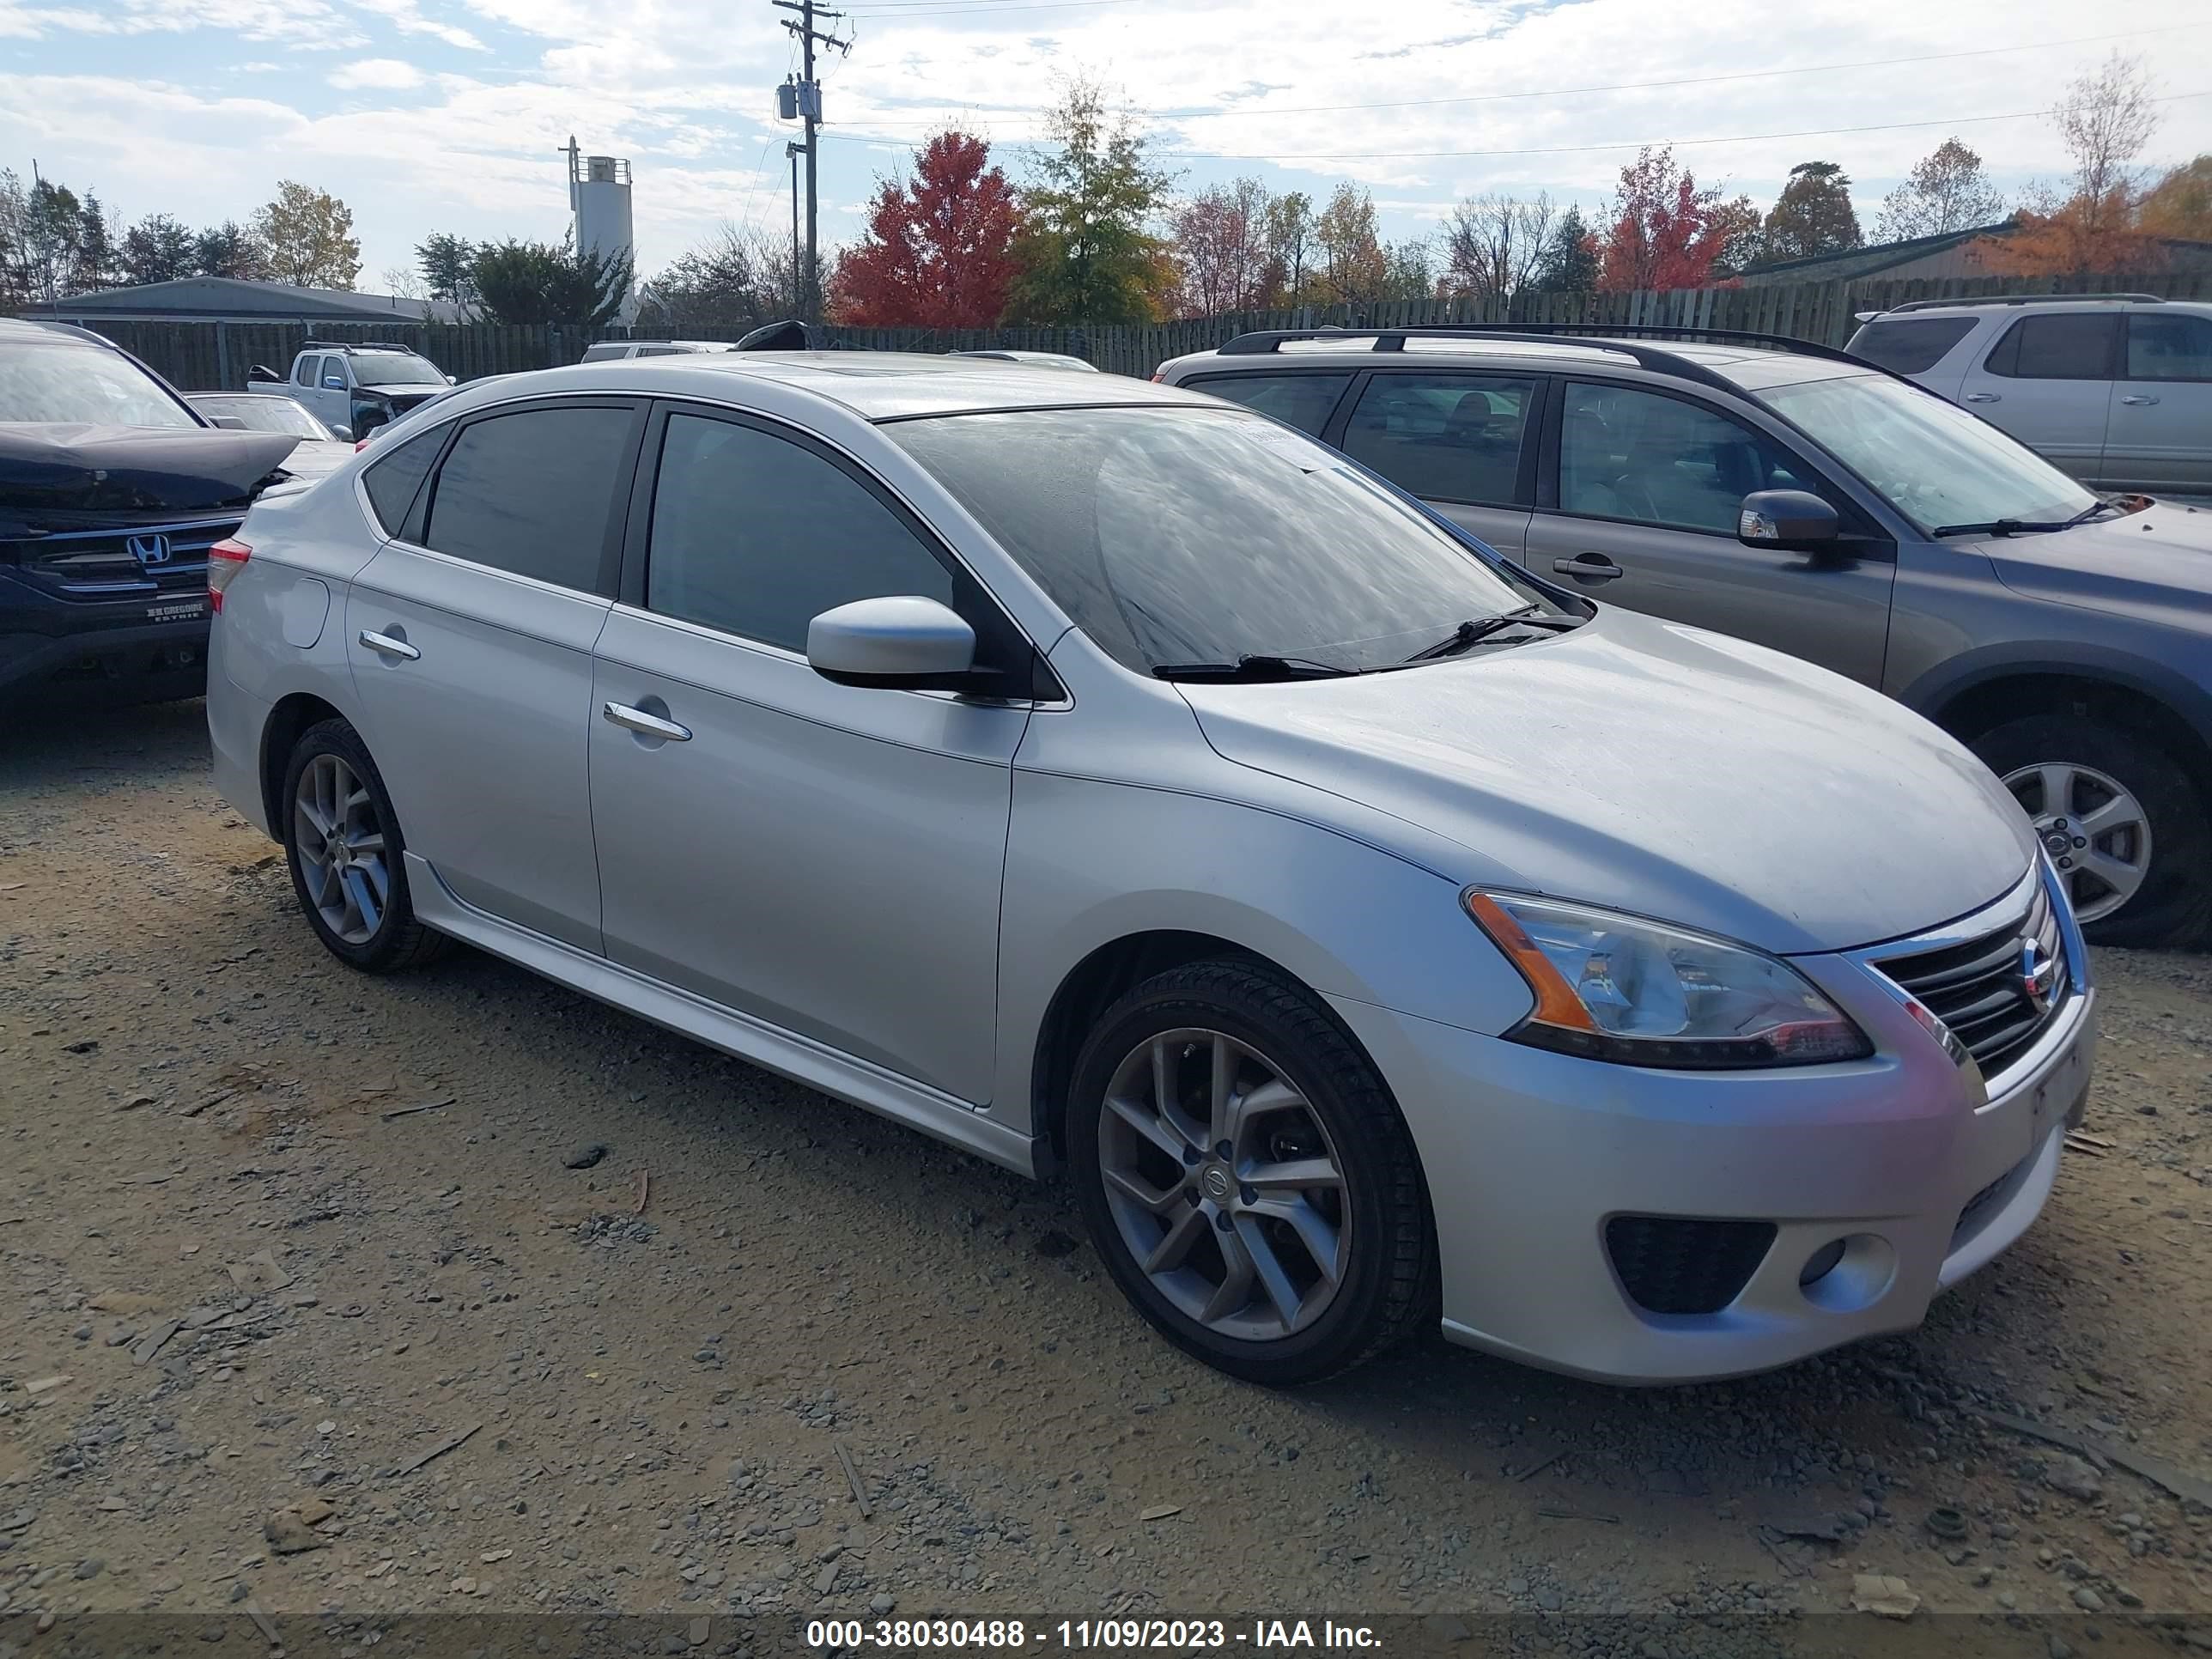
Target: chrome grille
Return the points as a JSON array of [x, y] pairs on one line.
[[99, 564], [1980, 989]]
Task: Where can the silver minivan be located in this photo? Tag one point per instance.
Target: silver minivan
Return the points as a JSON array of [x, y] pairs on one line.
[[1099, 776]]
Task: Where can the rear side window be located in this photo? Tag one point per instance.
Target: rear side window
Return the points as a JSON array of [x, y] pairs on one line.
[[2075, 347], [1445, 437], [1303, 401], [392, 482], [309, 371], [600, 354], [1910, 345], [532, 493], [2177, 346], [757, 536]]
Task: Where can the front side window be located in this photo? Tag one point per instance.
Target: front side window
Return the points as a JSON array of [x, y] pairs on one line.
[[334, 374], [2073, 346], [1910, 345], [2174, 346], [1176, 536], [1625, 454], [532, 493], [1303, 401], [1445, 437], [756, 536], [1936, 463], [66, 384]]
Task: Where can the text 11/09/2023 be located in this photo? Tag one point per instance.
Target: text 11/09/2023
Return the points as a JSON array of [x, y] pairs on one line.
[[1172, 1635]]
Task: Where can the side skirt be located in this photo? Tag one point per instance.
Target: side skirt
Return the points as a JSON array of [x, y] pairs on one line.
[[770, 1047]]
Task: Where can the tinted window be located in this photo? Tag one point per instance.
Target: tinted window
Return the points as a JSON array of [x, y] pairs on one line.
[[600, 354], [1197, 535], [2076, 347], [757, 536], [660, 351], [308, 372], [1300, 400], [1910, 345], [1445, 437], [392, 482], [532, 492], [2174, 347], [1658, 460]]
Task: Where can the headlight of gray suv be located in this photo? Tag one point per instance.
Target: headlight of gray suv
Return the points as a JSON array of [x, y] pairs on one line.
[[1622, 989]]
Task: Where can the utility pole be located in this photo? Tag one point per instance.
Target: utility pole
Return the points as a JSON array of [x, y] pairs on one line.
[[810, 108], [792, 150]]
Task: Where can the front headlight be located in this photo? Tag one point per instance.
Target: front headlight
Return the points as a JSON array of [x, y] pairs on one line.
[[1617, 987]]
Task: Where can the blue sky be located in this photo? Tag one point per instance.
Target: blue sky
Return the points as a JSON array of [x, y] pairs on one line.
[[428, 115]]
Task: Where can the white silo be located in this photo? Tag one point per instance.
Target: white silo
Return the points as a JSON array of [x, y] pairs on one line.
[[599, 195]]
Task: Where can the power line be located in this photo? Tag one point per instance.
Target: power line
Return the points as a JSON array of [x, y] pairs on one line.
[[1624, 86], [970, 8]]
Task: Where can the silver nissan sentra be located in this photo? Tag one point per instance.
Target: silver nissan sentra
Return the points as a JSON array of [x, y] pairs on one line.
[[1099, 776]]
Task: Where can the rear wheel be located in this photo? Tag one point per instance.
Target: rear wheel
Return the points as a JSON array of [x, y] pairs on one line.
[[1247, 1178], [2121, 819], [342, 842]]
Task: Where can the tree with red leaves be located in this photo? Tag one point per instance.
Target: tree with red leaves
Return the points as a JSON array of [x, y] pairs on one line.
[[935, 254], [1665, 233]]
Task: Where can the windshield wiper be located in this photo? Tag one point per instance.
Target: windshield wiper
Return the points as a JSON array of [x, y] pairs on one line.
[[2099, 504], [2005, 527], [1476, 629], [1254, 665]]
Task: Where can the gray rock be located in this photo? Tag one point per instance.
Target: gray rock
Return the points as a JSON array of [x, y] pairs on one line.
[[89, 1567], [1550, 1599], [882, 1603], [2070, 1474], [584, 1156], [2088, 1599]]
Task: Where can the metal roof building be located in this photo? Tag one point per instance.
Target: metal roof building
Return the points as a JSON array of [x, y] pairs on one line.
[[232, 300]]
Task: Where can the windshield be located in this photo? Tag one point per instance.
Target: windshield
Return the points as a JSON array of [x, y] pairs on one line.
[[64, 383], [395, 369], [1183, 536], [1937, 464], [264, 414]]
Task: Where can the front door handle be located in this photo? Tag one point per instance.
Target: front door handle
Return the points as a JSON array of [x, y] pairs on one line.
[[1588, 567], [1980, 397], [2138, 402], [651, 725], [386, 646]]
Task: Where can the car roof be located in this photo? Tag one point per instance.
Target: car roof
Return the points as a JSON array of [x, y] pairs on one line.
[[28, 330], [876, 385]]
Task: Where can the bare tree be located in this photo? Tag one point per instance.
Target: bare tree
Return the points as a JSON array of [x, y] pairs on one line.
[[1946, 191], [2104, 120], [403, 283], [1493, 243]]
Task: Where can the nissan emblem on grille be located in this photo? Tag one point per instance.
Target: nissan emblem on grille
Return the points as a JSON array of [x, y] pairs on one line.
[[148, 549]]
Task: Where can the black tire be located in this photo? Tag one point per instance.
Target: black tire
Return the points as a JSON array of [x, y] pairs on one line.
[[1388, 1287], [2173, 906], [400, 940]]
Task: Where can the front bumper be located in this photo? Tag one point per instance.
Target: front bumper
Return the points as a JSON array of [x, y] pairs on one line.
[[1908, 1156], [104, 660]]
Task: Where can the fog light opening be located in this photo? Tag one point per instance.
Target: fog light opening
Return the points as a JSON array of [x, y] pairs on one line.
[[1820, 1263]]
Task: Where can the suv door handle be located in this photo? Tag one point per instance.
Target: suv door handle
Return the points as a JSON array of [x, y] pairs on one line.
[[385, 646], [2138, 401], [1981, 398], [651, 725], [1589, 567]]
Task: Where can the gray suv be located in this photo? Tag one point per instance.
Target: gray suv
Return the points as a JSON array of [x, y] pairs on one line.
[[1805, 499]]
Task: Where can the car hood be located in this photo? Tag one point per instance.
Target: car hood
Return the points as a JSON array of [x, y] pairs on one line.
[[129, 469], [1657, 769], [2159, 558], [314, 457]]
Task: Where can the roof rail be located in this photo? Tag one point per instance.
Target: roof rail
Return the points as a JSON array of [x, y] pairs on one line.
[[2021, 299], [1611, 337], [353, 345]]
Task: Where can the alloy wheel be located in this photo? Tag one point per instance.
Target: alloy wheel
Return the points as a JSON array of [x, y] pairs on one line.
[[340, 840], [2096, 832], [1224, 1184]]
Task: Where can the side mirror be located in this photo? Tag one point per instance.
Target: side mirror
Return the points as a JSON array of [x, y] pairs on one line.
[[334, 383], [1791, 520], [342, 432], [228, 423], [900, 642]]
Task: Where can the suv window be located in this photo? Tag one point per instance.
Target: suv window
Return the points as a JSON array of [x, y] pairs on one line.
[[309, 371], [1303, 401], [1445, 437], [532, 493], [756, 536], [2175, 346], [2070, 346], [1910, 345], [392, 482], [1658, 460]]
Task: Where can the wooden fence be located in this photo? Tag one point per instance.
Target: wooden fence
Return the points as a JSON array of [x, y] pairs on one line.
[[207, 355]]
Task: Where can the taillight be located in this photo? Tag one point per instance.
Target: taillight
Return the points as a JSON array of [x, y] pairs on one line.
[[359, 444], [225, 559], [1158, 374]]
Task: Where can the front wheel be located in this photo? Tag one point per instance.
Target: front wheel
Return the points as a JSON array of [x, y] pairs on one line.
[[1247, 1178], [2122, 820]]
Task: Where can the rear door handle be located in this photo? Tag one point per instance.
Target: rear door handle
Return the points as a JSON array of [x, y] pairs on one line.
[[2138, 401], [1588, 567], [385, 646], [651, 725], [1980, 397]]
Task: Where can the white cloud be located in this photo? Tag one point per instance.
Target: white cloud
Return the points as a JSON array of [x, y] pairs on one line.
[[303, 23], [381, 73], [406, 16]]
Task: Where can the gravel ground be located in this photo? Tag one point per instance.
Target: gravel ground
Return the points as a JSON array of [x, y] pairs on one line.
[[304, 1305]]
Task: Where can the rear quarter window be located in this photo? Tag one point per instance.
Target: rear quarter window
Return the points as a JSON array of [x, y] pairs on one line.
[[393, 482], [1910, 345]]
